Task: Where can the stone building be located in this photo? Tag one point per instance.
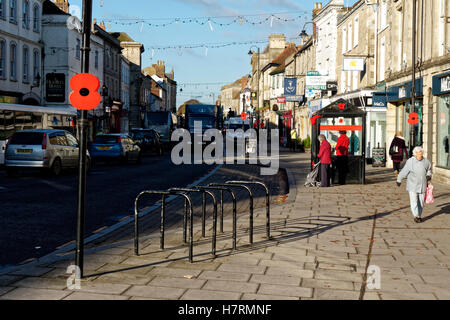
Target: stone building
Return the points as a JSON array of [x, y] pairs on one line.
[[133, 51], [62, 60], [167, 82], [432, 84], [230, 96], [357, 59], [21, 52], [260, 78], [111, 78]]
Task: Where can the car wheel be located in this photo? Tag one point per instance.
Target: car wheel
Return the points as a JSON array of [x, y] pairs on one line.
[[56, 167], [11, 172]]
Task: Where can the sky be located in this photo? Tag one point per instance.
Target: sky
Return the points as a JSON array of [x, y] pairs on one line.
[[215, 66]]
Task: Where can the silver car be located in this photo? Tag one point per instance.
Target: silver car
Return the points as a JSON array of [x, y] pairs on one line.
[[52, 150]]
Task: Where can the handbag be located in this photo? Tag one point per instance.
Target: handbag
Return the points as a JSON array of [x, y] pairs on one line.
[[393, 150], [429, 198]]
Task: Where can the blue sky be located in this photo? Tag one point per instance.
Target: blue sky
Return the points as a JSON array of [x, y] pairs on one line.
[[201, 65]]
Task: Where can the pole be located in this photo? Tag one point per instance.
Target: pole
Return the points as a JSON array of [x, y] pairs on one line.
[[413, 85], [259, 75], [82, 126]]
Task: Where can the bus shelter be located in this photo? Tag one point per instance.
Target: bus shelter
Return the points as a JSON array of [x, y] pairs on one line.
[[330, 121]]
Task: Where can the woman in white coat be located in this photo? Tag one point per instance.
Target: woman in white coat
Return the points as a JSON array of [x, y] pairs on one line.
[[418, 172]]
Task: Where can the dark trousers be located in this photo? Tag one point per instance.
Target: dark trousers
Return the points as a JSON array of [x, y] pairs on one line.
[[325, 175], [397, 166], [342, 168]]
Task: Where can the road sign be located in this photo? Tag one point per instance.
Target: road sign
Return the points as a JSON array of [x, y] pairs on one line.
[[85, 94]]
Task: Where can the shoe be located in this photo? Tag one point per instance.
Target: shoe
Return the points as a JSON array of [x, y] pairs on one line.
[[420, 220], [417, 220]]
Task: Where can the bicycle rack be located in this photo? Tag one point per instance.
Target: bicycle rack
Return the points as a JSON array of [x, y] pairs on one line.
[[267, 201], [163, 211], [188, 210], [251, 202], [204, 192], [222, 189]]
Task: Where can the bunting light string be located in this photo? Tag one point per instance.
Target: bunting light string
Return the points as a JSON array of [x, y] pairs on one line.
[[213, 45], [218, 21]]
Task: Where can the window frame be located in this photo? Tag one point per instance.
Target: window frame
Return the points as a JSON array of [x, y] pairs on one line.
[[2, 9], [13, 62], [78, 49], [26, 14], [3, 58], [36, 18], [25, 64], [36, 63], [13, 11]]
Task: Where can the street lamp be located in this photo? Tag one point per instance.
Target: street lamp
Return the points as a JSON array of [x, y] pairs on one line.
[[250, 52], [303, 34]]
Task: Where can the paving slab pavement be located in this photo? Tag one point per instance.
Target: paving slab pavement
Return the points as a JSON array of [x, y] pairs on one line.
[[326, 244]]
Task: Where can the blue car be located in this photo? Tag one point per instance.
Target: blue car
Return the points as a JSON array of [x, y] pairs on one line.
[[108, 147]]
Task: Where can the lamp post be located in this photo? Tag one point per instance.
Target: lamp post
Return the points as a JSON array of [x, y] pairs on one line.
[[250, 52], [413, 83], [83, 126]]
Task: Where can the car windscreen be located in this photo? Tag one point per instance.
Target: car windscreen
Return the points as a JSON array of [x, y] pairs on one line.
[[106, 139], [158, 119], [27, 138], [235, 126], [206, 122]]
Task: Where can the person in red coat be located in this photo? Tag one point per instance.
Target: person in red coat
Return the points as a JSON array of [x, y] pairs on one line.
[[342, 156], [325, 161]]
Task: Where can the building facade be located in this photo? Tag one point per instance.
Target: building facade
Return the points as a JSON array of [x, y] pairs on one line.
[[432, 80], [21, 51], [62, 60]]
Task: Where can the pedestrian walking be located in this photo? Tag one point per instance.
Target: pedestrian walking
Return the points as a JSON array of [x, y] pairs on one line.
[[325, 161], [294, 137], [342, 146], [418, 172], [398, 151]]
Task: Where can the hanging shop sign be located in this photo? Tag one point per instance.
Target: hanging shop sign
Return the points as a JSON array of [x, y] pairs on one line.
[[55, 87], [353, 64], [290, 86]]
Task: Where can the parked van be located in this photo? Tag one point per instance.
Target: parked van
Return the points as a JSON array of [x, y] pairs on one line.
[[163, 123]]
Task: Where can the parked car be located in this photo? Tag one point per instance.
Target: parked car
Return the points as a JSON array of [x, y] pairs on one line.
[[48, 149], [148, 140], [107, 147]]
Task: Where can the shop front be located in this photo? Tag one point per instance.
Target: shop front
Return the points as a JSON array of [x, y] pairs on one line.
[[399, 97], [441, 89]]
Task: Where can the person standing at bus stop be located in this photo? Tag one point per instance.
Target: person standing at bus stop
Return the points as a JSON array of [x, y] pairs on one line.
[[342, 145], [325, 161]]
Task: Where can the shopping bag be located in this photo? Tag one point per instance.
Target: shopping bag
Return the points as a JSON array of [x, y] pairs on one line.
[[429, 199]]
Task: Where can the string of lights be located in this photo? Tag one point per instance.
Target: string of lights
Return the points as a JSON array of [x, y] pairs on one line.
[[238, 19]]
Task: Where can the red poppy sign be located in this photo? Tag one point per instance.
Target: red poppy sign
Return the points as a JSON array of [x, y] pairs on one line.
[[341, 106], [85, 94], [413, 118], [244, 116]]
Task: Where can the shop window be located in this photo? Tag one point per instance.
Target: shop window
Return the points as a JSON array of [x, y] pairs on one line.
[[443, 134]]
